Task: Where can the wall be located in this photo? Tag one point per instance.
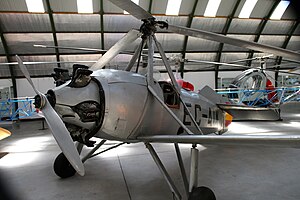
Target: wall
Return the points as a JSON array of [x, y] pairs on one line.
[[24, 89]]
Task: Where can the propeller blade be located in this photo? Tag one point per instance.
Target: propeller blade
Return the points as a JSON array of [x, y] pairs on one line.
[[58, 128], [132, 8], [26, 73], [62, 137], [129, 38], [234, 41]]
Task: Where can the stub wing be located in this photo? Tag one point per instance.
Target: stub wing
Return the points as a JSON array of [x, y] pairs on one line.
[[243, 112], [261, 140]]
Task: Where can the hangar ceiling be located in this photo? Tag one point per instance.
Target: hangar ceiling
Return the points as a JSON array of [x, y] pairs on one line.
[[62, 25]]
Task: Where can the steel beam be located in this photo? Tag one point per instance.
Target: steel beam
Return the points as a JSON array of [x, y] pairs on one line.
[[286, 42], [189, 23], [261, 28], [224, 32], [50, 13], [11, 70]]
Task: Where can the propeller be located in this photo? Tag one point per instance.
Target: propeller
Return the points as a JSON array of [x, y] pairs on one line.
[[58, 128], [140, 13]]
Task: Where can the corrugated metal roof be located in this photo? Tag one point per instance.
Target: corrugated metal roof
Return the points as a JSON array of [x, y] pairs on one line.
[[196, 44], [22, 29], [25, 22], [77, 22], [246, 26], [206, 24], [278, 27], [274, 40], [84, 40], [13, 5], [228, 47], [120, 23], [22, 43]]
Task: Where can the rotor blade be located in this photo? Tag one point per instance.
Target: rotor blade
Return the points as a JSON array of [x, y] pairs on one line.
[[62, 137], [132, 8], [26, 73], [71, 48], [129, 38], [257, 140], [234, 41], [48, 62], [213, 63]]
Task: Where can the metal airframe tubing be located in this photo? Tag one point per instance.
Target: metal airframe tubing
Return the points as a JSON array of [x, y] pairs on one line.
[[93, 151], [79, 147], [194, 168], [182, 169], [172, 77], [135, 55], [150, 79], [163, 170]]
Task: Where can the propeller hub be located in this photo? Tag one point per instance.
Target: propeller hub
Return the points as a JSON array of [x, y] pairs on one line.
[[39, 101]]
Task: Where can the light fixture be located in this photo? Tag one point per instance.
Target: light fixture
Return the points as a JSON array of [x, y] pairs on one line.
[[85, 6], [35, 6], [212, 8], [247, 8], [134, 1], [280, 9], [173, 7]]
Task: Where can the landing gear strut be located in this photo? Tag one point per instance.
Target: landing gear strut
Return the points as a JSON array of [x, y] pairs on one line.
[[192, 190]]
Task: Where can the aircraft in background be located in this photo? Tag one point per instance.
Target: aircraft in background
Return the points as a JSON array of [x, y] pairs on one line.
[[130, 107]]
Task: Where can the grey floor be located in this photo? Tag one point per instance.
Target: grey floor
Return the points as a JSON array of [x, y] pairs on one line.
[[128, 172]]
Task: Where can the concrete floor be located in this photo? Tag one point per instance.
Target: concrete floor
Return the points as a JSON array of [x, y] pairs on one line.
[[128, 172]]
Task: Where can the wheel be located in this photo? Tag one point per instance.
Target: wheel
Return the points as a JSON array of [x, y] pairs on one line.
[[62, 167], [202, 193]]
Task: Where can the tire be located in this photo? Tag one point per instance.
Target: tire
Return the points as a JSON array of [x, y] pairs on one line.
[[202, 193], [62, 167]]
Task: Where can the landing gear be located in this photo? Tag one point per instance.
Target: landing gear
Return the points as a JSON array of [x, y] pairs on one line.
[[202, 193], [62, 167]]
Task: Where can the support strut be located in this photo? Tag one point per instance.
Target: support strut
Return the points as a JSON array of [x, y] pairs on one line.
[[163, 171], [194, 168]]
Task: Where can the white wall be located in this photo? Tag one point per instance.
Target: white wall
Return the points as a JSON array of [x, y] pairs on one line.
[[200, 79], [24, 89], [5, 83]]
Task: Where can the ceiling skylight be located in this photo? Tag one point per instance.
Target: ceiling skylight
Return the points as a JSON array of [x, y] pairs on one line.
[[35, 6], [134, 1], [247, 8], [85, 6], [173, 7], [280, 9], [212, 8]]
